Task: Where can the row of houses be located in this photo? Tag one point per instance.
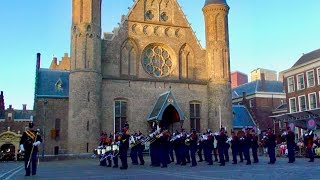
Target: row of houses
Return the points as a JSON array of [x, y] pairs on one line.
[[293, 98]]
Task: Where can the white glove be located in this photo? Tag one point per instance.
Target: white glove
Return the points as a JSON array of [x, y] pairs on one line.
[[21, 148], [37, 143]]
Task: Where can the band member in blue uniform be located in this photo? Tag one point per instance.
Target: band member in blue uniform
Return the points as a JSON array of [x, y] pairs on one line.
[[234, 147], [123, 149], [270, 142], [290, 138], [140, 148], [255, 146], [29, 143], [193, 147], [308, 142], [246, 146], [222, 139]]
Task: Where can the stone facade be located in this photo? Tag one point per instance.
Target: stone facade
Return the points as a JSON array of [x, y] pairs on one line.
[[154, 50], [52, 118]]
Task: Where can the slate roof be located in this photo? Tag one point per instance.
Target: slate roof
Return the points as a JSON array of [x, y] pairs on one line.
[[215, 2], [21, 114], [242, 117], [256, 86], [308, 57], [52, 83], [163, 101]]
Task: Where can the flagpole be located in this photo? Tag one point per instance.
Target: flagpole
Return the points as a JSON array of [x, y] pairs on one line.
[[220, 116]]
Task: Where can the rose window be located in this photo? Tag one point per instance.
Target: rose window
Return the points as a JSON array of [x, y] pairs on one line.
[[157, 61]]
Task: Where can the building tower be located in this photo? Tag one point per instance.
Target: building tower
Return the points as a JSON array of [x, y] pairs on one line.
[[85, 77], [218, 63]]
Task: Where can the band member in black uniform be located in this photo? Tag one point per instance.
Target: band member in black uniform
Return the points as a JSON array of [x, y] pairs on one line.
[[164, 148], [221, 138], [103, 139], [115, 154], [193, 147], [255, 146], [246, 146], [234, 147], [182, 148], [123, 149], [140, 148], [29, 143], [208, 147], [290, 138], [200, 148], [240, 135], [134, 149], [226, 148], [308, 142], [175, 143], [270, 142], [109, 152]]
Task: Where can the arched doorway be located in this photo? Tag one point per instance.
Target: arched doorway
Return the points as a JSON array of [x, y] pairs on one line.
[[170, 119], [9, 139], [7, 152]]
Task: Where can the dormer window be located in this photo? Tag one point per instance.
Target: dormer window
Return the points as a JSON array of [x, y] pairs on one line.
[[59, 85]]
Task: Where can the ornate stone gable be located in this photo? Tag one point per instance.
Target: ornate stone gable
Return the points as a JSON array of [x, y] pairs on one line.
[[160, 23]]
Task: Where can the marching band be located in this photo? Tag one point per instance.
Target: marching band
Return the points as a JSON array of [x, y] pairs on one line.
[[185, 146]]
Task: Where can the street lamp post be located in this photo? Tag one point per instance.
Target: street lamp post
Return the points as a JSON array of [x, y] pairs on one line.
[[43, 125]]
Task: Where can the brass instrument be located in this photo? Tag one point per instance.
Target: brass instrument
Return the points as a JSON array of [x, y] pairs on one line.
[[187, 141]]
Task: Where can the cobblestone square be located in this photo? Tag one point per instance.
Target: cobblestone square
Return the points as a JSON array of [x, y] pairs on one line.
[[89, 169]]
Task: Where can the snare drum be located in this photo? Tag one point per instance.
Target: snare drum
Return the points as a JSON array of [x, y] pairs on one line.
[[115, 147], [99, 151], [318, 151], [108, 148], [103, 151]]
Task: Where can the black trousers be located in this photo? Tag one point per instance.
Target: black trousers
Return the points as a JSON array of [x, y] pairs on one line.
[[33, 162], [123, 157]]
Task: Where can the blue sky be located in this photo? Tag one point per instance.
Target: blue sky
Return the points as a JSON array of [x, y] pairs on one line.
[[269, 34]]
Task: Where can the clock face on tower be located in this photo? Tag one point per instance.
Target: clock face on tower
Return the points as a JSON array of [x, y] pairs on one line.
[[157, 60]]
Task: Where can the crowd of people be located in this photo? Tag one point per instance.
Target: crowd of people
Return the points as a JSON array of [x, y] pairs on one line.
[[183, 148]]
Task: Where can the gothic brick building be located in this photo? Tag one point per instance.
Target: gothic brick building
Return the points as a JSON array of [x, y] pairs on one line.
[[150, 69]]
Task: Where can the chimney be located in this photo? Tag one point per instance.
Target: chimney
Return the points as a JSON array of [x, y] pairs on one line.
[[24, 107], [244, 98], [38, 61], [1, 101], [55, 60], [263, 82], [10, 106]]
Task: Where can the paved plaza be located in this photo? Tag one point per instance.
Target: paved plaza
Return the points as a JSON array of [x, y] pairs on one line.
[[89, 169]]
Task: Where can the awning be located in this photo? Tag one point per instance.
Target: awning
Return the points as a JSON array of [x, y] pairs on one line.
[[164, 100], [300, 118]]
